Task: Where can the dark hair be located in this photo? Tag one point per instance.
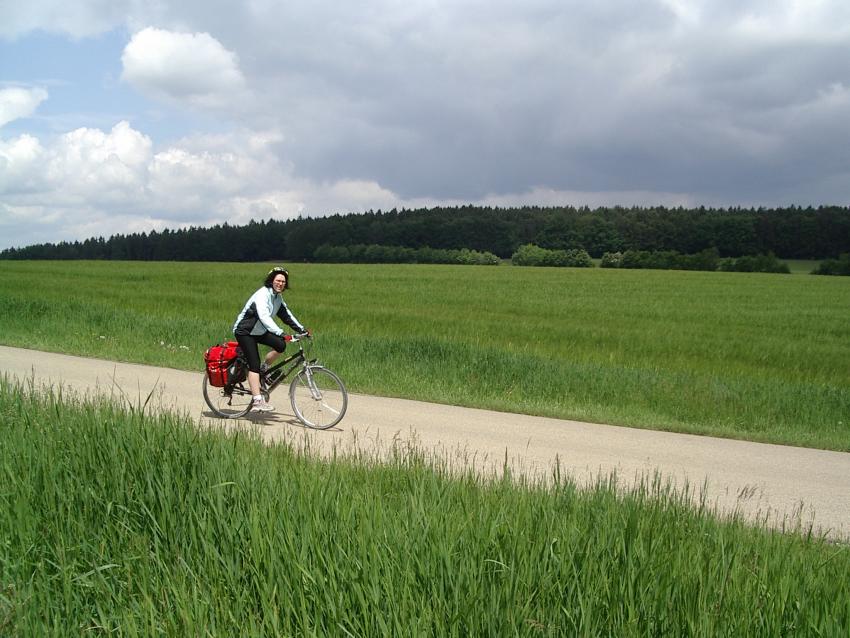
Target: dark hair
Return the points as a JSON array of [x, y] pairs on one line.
[[274, 272]]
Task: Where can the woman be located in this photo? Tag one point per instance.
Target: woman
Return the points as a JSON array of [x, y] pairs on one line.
[[255, 325]]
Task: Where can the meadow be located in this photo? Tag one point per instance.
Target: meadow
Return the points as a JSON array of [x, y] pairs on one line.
[[746, 355], [117, 522]]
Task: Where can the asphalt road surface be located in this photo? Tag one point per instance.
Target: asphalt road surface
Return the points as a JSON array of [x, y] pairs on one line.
[[780, 484]]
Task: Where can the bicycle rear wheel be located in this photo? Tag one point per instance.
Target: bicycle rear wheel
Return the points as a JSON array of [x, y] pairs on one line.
[[318, 397], [228, 403]]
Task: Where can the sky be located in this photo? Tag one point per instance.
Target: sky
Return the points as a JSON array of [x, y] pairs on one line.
[[126, 116]]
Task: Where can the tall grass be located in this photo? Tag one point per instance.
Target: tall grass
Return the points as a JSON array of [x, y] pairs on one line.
[[756, 356], [116, 522]]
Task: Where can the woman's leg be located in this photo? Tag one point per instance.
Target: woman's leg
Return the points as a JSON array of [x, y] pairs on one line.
[[250, 348], [251, 351], [254, 383], [277, 345]]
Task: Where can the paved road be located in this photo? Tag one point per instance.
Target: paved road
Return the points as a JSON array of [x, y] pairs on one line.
[[781, 483]]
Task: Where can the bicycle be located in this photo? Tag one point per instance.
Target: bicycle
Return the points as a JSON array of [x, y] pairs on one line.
[[318, 396]]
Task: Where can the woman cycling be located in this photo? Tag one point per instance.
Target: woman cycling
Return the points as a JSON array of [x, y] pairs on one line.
[[256, 325]]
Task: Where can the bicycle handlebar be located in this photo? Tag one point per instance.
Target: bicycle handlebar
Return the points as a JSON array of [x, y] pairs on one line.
[[297, 337]]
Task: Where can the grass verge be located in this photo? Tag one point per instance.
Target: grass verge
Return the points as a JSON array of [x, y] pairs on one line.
[[115, 521]]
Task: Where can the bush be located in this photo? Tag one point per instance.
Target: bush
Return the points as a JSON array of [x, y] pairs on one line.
[[611, 260], [708, 260], [840, 266], [578, 258], [532, 255], [476, 258], [658, 260], [529, 255], [704, 260], [754, 263]]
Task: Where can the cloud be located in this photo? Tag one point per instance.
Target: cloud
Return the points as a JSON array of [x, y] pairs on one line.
[[453, 102], [100, 169], [328, 107], [77, 19], [21, 166], [190, 68], [90, 182], [19, 102]]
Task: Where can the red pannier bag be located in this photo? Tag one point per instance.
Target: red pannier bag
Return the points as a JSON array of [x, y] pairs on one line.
[[218, 359]]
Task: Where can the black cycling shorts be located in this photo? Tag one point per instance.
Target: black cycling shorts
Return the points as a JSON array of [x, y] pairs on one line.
[[250, 349]]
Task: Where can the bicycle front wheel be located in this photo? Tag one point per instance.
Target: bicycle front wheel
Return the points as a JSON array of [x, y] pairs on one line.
[[228, 403], [318, 397]]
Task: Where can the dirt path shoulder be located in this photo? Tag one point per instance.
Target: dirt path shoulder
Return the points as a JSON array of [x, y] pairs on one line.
[[781, 483]]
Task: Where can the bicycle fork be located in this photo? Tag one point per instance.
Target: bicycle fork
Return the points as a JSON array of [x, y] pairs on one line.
[[311, 384]]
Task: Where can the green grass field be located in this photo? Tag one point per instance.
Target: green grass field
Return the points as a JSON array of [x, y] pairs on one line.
[[114, 522], [755, 356]]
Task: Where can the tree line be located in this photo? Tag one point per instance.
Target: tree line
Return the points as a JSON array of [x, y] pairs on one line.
[[708, 259], [792, 233], [376, 254]]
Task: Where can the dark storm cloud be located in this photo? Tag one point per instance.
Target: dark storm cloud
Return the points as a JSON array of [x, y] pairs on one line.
[[467, 99]]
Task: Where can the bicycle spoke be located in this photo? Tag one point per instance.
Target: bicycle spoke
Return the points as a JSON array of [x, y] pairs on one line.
[[318, 397], [228, 403]]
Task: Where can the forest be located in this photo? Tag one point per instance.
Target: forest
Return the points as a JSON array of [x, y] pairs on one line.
[[790, 233]]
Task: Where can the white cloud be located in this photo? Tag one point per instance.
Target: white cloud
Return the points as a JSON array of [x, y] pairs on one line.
[[21, 165], [91, 182], [96, 168], [185, 181], [190, 68], [19, 102]]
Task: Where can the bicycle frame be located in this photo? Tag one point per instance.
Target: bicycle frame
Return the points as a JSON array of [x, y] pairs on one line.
[[279, 371], [296, 360]]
